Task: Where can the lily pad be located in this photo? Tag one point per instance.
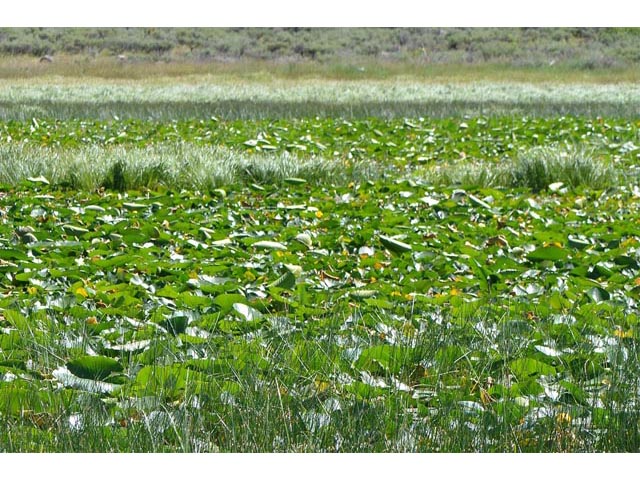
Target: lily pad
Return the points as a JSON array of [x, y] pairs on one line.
[[395, 245], [39, 179], [94, 367], [287, 280], [269, 245], [551, 252]]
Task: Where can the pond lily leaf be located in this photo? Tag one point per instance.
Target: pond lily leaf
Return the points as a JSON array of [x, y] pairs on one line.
[[577, 242], [384, 358], [598, 294], [394, 245], [358, 294], [599, 270], [471, 407], [295, 269], [94, 367], [169, 380], [133, 205], [129, 347], [68, 379], [74, 230], [524, 368], [222, 243], [227, 300], [626, 261], [295, 181], [175, 324], [269, 245], [550, 252], [548, 351], [287, 280], [305, 239], [247, 312], [577, 393], [479, 202], [39, 179]]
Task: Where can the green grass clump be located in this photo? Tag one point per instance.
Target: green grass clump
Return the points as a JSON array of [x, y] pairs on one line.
[[574, 167], [179, 165], [534, 169]]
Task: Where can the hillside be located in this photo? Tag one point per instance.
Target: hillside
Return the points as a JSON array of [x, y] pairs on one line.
[[580, 48]]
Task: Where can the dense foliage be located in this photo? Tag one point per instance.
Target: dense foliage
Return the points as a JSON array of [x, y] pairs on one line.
[[408, 142], [283, 314], [507, 318]]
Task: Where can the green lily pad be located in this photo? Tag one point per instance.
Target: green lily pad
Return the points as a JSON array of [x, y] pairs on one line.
[[394, 245], [551, 252], [269, 245], [94, 367], [287, 280]]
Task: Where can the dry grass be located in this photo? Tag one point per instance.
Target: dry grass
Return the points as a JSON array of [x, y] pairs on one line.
[[82, 66]]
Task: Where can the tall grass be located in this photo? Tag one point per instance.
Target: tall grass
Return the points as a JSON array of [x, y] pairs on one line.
[[574, 167], [267, 98], [210, 90], [188, 166], [179, 165], [286, 399], [534, 169]]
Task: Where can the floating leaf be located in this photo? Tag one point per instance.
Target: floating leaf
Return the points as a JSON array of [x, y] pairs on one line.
[[598, 294], [626, 261], [269, 245], [166, 380], [75, 230], [39, 179], [578, 243], [363, 293], [599, 270], [304, 239], [480, 203], [175, 324], [385, 358], [287, 280], [133, 205], [68, 379], [524, 368], [295, 181], [225, 242], [94, 367], [551, 252], [395, 245], [129, 347], [247, 312], [295, 269], [227, 300], [549, 351]]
